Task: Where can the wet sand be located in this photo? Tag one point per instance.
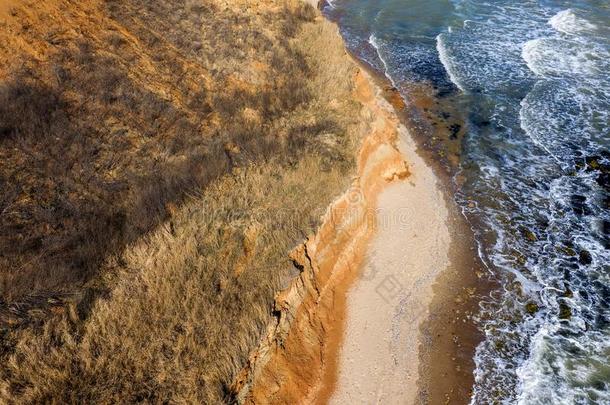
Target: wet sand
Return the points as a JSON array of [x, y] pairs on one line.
[[409, 334], [379, 357]]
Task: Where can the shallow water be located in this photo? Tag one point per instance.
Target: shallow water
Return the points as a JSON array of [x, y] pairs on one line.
[[532, 79]]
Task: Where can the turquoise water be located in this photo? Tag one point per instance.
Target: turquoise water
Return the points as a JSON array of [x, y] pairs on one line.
[[532, 78]]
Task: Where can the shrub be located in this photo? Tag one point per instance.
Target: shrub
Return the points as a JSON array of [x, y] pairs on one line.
[[150, 194]]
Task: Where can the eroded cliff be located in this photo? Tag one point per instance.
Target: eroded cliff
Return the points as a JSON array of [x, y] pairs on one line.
[[297, 359]]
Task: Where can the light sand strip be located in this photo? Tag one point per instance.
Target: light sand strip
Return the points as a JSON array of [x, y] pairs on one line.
[[379, 357]]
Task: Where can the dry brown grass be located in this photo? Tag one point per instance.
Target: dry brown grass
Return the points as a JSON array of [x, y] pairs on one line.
[[98, 140], [162, 173], [180, 322]]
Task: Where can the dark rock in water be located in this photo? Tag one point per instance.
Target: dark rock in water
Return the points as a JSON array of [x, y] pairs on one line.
[[568, 250], [597, 163], [593, 163], [603, 179], [601, 322], [585, 257], [565, 312], [527, 234], [579, 205], [606, 227], [606, 201], [603, 290], [531, 308], [583, 294], [445, 91], [455, 130], [542, 221], [6, 132], [599, 385]]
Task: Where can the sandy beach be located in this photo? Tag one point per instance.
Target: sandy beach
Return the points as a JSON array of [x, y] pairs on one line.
[[380, 309], [379, 357], [409, 334]]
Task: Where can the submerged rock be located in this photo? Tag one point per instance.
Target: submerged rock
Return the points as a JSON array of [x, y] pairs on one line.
[[579, 205], [567, 250], [565, 312], [585, 257], [606, 202], [605, 227], [528, 234], [455, 130], [531, 308], [597, 163], [593, 162]]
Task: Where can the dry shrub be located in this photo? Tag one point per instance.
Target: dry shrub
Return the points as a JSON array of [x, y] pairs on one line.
[[167, 220], [181, 322], [92, 155]]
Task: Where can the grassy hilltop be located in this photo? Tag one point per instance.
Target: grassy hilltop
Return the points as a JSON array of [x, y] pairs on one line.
[[158, 161]]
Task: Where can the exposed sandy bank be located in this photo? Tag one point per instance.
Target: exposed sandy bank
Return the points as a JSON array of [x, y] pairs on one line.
[[297, 360], [448, 336], [379, 357], [348, 328], [355, 326]]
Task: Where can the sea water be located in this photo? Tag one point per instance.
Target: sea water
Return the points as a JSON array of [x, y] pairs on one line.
[[533, 80]]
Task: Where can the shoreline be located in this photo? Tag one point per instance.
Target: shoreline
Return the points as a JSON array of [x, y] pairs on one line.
[[448, 337], [312, 325], [380, 353], [296, 361]]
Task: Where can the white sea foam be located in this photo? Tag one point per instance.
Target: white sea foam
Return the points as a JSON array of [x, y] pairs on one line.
[[558, 57], [375, 44], [448, 64], [577, 112], [538, 375], [568, 22], [331, 4]]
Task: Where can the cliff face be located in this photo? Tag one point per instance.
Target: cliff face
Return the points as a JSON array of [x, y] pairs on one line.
[[160, 159], [296, 361]]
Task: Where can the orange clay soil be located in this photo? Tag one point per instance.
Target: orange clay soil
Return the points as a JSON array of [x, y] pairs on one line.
[[5, 7], [297, 359]]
